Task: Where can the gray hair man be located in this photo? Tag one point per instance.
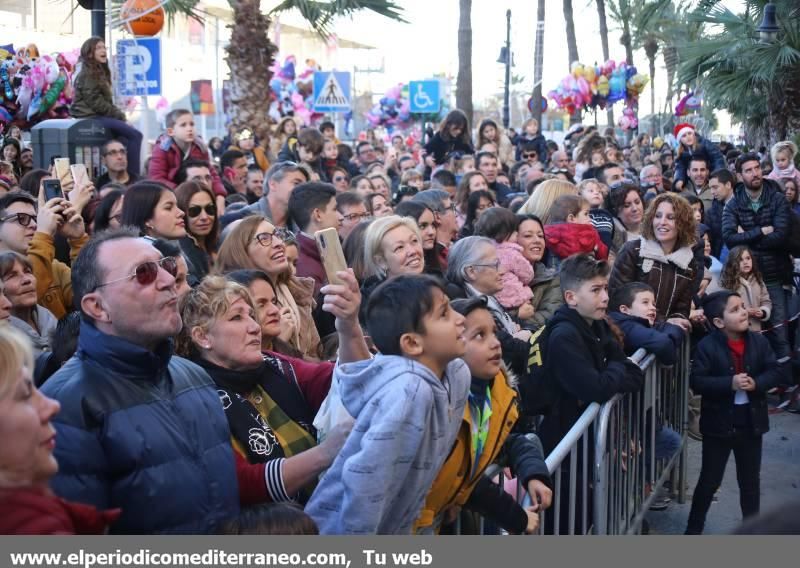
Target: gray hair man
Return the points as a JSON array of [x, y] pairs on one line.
[[139, 429]]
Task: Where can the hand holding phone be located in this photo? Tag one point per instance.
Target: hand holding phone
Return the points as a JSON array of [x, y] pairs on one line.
[[52, 189], [331, 254], [63, 172], [79, 175]]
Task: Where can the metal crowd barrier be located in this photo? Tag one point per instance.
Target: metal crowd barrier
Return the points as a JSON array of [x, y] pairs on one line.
[[625, 476]]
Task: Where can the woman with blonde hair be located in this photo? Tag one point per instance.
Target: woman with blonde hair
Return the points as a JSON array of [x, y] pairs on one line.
[[392, 246], [269, 399], [257, 244], [26, 456], [663, 257], [541, 200]]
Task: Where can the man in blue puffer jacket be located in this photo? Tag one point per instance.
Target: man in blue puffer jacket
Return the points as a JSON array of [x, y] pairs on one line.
[[139, 429]]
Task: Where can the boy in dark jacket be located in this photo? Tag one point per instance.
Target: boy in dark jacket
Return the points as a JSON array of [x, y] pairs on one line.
[[583, 360], [733, 369], [582, 357], [633, 309]]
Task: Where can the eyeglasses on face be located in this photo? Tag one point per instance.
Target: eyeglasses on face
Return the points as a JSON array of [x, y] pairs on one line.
[[337, 179], [24, 219], [195, 210], [357, 216], [529, 155], [147, 272], [495, 265], [444, 210], [265, 239], [117, 152]]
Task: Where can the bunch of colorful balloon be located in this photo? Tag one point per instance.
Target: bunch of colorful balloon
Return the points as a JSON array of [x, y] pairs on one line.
[[393, 111], [689, 104], [590, 87], [292, 94], [33, 87]]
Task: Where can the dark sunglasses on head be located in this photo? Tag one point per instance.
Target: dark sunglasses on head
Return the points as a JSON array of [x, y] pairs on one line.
[[195, 210], [147, 272], [24, 219]]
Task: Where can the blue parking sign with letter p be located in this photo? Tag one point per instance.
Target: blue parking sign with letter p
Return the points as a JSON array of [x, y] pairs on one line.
[[139, 66]]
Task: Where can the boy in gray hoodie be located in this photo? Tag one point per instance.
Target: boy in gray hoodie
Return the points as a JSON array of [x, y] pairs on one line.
[[407, 403]]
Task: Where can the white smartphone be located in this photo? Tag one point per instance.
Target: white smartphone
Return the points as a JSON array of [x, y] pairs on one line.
[[63, 172], [79, 174]]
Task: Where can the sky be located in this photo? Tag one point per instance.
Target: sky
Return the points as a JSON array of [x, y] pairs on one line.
[[429, 43]]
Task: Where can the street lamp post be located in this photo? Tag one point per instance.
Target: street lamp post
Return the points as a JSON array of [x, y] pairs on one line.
[[768, 29], [505, 57]]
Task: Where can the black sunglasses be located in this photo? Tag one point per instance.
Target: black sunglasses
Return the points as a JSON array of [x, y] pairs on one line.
[[147, 272], [195, 210], [24, 219]]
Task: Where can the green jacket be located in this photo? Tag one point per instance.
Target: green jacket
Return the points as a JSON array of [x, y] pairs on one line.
[[93, 98], [547, 296]]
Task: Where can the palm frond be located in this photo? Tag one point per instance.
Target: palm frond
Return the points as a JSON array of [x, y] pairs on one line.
[[320, 15]]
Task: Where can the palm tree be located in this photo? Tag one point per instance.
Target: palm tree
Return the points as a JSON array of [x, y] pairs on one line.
[[647, 28], [572, 44], [601, 13], [538, 64], [464, 80], [250, 54], [622, 13], [758, 83]]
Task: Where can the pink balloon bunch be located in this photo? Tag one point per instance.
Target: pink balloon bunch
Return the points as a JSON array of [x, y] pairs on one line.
[[588, 87], [33, 87], [292, 93]]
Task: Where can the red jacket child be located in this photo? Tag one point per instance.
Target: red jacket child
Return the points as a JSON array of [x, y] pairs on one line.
[[566, 239], [167, 159]]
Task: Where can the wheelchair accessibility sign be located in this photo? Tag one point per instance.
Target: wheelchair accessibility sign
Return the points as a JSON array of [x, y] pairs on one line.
[[423, 96], [331, 91]]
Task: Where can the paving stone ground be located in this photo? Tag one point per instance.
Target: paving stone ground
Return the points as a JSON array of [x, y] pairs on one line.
[[780, 481]]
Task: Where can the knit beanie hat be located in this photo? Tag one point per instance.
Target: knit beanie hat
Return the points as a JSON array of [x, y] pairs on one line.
[[682, 129]]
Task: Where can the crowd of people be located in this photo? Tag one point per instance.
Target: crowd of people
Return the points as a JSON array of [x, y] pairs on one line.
[[175, 359]]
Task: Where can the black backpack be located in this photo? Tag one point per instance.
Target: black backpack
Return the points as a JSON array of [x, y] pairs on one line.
[[538, 391]]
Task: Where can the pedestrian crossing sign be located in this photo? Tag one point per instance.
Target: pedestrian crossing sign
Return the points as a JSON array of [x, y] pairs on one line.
[[331, 91]]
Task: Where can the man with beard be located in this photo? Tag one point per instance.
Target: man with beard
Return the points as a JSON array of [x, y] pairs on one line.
[[758, 216]]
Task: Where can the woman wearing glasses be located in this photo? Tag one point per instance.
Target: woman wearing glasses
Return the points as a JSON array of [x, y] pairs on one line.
[[109, 212], [202, 226], [473, 269], [256, 244], [19, 284]]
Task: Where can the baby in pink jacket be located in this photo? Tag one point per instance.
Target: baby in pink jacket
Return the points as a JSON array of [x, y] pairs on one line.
[[500, 225], [783, 154]]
